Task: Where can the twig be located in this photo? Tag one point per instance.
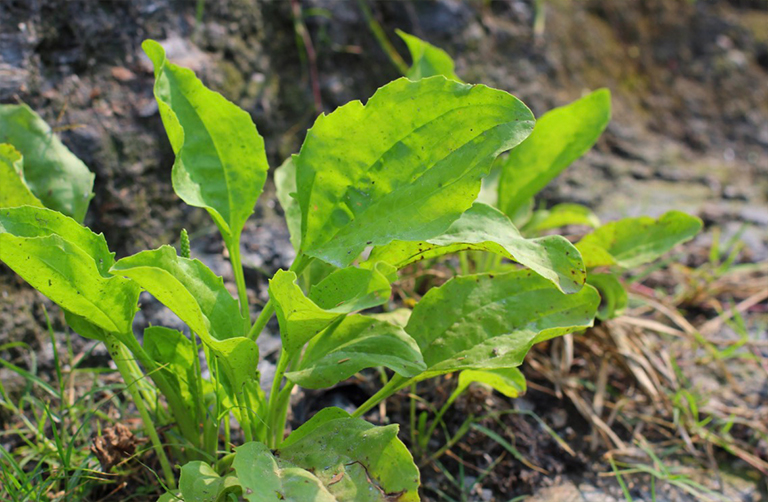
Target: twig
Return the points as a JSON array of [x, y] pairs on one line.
[[301, 30], [384, 42], [588, 413], [639, 366], [709, 327], [650, 324], [599, 400]]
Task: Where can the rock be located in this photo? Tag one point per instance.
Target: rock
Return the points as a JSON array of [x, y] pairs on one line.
[[731, 192], [444, 17], [570, 492], [122, 74], [15, 57], [755, 214]]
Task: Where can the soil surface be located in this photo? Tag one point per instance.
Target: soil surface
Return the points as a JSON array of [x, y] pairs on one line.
[[689, 132]]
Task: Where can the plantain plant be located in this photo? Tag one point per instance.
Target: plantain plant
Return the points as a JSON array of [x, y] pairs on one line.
[[374, 188]]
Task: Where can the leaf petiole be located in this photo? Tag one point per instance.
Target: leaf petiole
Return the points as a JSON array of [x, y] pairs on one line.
[[262, 320], [121, 359], [282, 365], [237, 268], [283, 400], [395, 384], [184, 420], [424, 441]]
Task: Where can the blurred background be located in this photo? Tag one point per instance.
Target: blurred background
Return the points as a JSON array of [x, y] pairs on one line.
[[689, 80]]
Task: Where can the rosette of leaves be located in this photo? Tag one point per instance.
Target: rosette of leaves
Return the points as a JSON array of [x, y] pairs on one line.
[[399, 176]]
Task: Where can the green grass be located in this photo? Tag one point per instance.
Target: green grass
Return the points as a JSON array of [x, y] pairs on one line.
[[53, 422], [658, 471]]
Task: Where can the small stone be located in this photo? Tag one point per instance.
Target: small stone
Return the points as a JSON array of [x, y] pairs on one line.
[[731, 192], [122, 74]]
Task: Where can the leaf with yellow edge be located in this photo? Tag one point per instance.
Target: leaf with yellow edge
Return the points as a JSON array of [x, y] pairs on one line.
[[14, 191]]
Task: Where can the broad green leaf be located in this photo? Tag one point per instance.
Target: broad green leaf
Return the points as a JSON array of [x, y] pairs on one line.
[[198, 296], [350, 289], [491, 321], [200, 483], [299, 317], [560, 137], [487, 229], [354, 459], [14, 191], [343, 291], [54, 174], [398, 317], [237, 360], [560, 216], [612, 293], [41, 222], [402, 167], [633, 241], [285, 185], [84, 328], [595, 255], [508, 381], [14, 159], [221, 164], [266, 478], [187, 287], [523, 214], [308, 427], [317, 271], [68, 276], [176, 353], [428, 60], [356, 343], [66, 262]]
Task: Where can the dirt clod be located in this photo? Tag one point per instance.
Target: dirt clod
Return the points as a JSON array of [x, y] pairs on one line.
[[115, 445]]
